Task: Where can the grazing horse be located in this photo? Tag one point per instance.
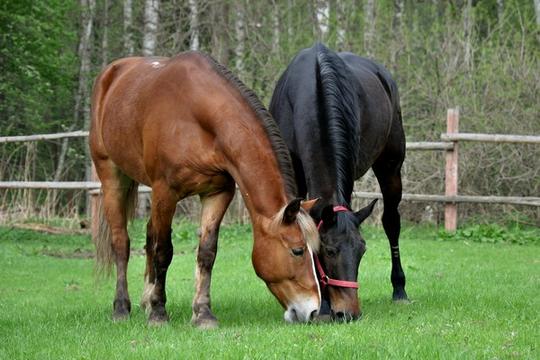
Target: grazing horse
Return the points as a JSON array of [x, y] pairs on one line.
[[340, 115], [183, 126]]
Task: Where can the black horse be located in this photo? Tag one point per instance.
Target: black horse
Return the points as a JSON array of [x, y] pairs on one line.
[[340, 115]]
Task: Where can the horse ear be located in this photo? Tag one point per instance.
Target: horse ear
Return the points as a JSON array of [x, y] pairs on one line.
[[308, 204], [292, 209], [328, 216], [362, 214]]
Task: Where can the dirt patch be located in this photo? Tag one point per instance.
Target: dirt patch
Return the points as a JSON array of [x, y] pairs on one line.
[[51, 229], [90, 254]]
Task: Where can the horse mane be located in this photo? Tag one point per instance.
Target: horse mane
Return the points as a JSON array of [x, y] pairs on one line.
[[269, 124], [306, 225], [340, 104]]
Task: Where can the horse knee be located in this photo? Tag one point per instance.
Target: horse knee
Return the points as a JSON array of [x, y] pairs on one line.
[[207, 250]]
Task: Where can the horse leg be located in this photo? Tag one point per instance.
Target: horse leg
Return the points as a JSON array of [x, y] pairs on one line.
[[389, 179], [116, 190], [149, 275], [213, 210], [159, 252]]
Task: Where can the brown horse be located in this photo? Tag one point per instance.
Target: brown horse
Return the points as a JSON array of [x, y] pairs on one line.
[[183, 126]]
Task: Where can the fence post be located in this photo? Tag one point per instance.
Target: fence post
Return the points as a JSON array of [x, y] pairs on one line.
[[451, 172], [95, 199]]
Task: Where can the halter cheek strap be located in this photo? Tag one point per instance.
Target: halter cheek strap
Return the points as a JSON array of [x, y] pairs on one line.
[[324, 279]]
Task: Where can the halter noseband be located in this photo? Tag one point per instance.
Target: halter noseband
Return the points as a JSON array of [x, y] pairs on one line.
[[324, 279]]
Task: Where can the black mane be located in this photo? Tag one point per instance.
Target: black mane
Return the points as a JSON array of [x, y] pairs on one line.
[[272, 130], [341, 110]]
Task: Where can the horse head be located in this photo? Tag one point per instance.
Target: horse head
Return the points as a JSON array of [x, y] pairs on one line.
[[282, 257], [341, 249]]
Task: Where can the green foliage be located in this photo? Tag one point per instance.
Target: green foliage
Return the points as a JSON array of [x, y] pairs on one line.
[[496, 83], [494, 234], [38, 62]]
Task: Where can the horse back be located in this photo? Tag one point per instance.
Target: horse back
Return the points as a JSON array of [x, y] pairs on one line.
[[149, 114], [381, 127]]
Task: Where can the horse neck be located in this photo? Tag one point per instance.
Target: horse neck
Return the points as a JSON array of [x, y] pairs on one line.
[[321, 177], [254, 166], [327, 191]]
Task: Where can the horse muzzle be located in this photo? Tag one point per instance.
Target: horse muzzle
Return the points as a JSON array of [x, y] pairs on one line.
[[303, 312]]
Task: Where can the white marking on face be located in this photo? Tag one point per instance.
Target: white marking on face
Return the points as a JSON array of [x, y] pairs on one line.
[[300, 311], [156, 64], [314, 272]]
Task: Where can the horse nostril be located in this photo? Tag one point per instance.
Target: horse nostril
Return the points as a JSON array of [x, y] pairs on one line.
[[313, 315], [340, 315]]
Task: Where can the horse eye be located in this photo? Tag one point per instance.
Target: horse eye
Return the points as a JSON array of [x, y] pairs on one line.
[[298, 251], [331, 252]]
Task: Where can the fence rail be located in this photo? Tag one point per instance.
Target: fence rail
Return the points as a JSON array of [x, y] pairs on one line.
[[449, 145], [24, 138], [93, 188], [495, 138]]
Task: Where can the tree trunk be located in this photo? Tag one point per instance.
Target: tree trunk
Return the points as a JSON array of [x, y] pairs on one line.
[[194, 24], [82, 103], [151, 21], [341, 21], [322, 15], [537, 11], [369, 26], [105, 38], [240, 30], [128, 27], [275, 28], [290, 30], [220, 37], [500, 11], [397, 29], [28, 175], [467, 27]]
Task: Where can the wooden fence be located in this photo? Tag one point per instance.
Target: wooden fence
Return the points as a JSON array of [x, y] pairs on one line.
[[448, 144]]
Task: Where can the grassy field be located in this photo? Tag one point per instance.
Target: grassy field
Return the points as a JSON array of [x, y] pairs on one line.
[[474, 295]]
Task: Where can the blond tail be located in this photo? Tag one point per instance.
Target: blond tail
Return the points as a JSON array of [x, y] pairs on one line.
[[103, 240]]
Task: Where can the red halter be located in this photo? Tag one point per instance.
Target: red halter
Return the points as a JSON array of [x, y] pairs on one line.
[[324, 279]]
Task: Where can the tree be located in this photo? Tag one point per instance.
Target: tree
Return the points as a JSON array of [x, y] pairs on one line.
[[322, 17], [240, 31], [151, 21], [220, 44], [369, 26], [105, 36], [537, 11], [128, 27], [194, 24]]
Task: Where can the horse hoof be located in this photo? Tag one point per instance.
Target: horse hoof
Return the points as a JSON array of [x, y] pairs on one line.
[[205, 324], [158, 318], [120, 316], [400, 296], [401, 300], [121, 311], [157, 322]]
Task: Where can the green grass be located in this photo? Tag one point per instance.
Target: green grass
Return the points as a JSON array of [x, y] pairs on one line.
[[469, 300]]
